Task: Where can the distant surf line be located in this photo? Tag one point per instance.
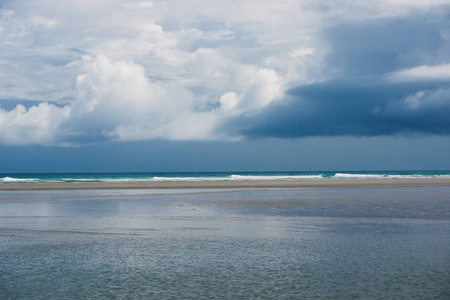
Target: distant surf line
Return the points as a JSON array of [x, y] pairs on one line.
[[212, 176]]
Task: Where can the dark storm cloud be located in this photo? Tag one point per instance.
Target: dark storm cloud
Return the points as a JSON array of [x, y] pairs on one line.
[[362, 102], [351, 109]]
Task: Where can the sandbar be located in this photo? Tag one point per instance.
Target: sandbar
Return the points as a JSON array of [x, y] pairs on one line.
[[229, 184]]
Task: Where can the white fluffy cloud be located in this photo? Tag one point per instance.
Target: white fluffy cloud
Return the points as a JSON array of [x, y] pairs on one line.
[[163, 69], [117, 100], [421, 73], [36, 125], [437, 99]]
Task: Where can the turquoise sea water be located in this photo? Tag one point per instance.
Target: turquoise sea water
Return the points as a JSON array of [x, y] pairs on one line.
[[321, 243], [211, 176]]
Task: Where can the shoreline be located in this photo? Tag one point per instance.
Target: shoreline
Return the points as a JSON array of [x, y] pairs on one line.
[[331, 183]]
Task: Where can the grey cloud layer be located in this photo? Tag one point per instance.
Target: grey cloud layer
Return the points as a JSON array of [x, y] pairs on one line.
[[338, 109], [214, 70], [394, 78]]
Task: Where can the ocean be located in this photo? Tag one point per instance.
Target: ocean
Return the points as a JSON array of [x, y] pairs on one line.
[[211, 176], [235, 243]]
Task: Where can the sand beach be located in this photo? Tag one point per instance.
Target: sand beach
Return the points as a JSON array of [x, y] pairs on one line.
[[230, 184]]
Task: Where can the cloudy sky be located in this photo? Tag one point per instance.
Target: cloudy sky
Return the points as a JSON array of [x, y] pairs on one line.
[[105, 85]]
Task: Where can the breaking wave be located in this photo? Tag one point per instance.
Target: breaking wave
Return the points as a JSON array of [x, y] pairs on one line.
[[235, 176]]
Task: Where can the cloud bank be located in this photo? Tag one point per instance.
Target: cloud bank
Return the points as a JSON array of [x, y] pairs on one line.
[[422, 73], [210, 70]]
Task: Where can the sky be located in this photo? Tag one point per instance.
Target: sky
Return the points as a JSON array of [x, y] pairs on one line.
[[198, 85]]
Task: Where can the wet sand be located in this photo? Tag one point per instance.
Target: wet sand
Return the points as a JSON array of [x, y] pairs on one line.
[[383, 242], [229, 184]]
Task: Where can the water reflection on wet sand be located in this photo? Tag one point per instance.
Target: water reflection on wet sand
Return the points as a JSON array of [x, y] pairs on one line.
[[242, 243]]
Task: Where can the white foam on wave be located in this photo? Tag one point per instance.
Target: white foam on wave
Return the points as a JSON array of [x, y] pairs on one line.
[[80, 180], [277, 177], [416, 176], [239, 178], [357, 176], [189, 178], [105, 180], [386, 176], [127, 180], [233, 177], [12, 180]]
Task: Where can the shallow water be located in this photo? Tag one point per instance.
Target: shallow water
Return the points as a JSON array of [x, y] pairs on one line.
[[374, 243]]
